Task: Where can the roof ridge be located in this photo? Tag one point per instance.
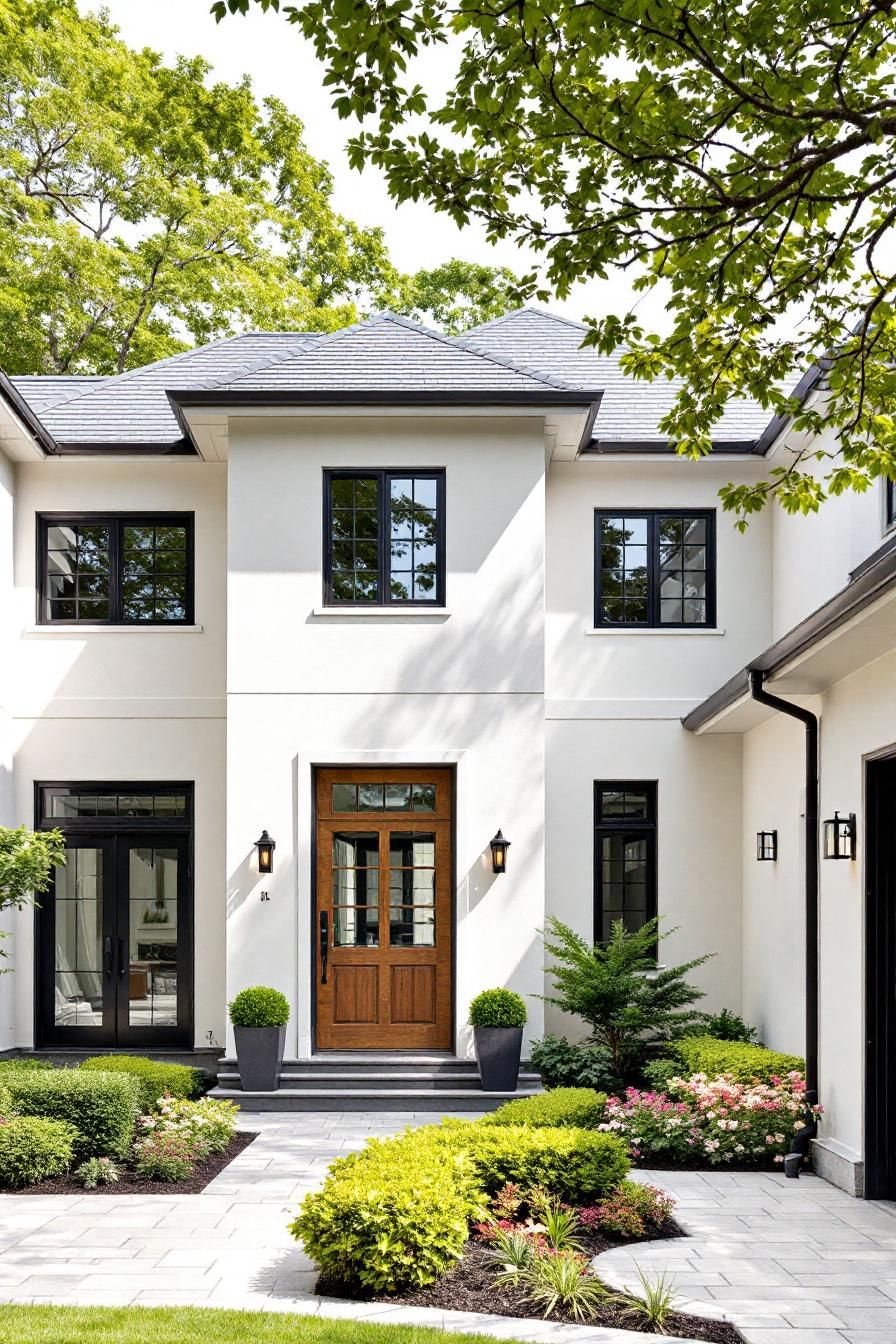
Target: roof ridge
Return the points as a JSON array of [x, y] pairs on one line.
[[536, 311], [325, 338]]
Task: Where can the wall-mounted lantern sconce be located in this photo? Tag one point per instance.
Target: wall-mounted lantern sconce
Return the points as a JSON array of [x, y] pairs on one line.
[[265, 846], [499, 847], [767, 846], [840, 837]]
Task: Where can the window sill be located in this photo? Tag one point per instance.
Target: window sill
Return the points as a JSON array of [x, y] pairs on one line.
[[378, 613], [654, 630], [60, 628]]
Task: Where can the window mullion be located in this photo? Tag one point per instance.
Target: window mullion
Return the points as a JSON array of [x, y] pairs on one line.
[[385, 489], [116, 610], [653, 563]]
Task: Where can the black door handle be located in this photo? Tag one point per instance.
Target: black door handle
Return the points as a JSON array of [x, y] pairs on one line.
[[324, 945], [121, 958], [107, 958]]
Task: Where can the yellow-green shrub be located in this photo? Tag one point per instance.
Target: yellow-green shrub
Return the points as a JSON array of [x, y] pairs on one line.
[[396, 1214], [32, 1149], [706, 1054], [579, 1107]]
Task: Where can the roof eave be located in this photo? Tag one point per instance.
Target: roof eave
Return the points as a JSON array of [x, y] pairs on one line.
[[36, 430], [546, 396]]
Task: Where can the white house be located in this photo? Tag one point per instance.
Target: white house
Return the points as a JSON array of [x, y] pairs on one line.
[[383, 593]]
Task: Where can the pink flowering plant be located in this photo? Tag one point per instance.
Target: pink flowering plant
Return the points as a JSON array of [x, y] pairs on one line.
[[714, 1120], [207, 1124]]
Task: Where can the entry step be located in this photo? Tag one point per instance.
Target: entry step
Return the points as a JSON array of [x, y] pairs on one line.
[[445, 1099]]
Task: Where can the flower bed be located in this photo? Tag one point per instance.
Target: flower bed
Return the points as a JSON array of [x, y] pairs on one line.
[[699, 1121], [499, 1217], [65, 1130]]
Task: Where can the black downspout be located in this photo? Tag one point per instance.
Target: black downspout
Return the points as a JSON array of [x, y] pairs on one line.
[[757, 691]]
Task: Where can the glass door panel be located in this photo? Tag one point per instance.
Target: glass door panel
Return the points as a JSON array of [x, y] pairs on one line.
[[78, 944], [152, 935]]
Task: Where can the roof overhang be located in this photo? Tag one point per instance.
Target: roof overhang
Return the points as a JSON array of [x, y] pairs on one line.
[[22, 436], [856, 626], [205, 415]]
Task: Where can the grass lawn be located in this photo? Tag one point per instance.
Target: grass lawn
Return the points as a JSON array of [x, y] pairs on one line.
[[198, 1325]]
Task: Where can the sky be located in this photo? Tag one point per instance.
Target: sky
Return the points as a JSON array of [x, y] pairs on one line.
[[279, 62]]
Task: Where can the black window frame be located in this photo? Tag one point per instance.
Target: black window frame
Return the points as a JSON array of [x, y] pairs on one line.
[[889, 503], [116, 521], [625, 826], [383, 476], [652, 518]]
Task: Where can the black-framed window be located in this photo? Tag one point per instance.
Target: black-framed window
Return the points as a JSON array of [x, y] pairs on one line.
[[115, 569], [890, 502], [384, 538], [655, 568], [625, 817]]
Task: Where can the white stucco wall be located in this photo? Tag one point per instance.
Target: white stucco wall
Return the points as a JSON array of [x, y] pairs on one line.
[[813, 555], [698, 837], [137, 704], [7, 810], [464, 688]]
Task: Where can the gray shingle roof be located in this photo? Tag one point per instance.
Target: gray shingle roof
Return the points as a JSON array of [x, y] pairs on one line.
[[133, 407], [524, 352], [391, 353], [630, 410]]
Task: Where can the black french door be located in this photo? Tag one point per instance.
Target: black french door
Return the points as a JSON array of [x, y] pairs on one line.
[[115, 929], [880, 980]]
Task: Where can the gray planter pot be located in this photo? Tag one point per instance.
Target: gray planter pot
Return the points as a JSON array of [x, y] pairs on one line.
[[259, 1055], [498, 1051]]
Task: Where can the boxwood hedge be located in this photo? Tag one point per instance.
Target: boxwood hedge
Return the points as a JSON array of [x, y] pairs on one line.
[[579, 1107], [706, 1054], [155, 1077], [102, 1107]]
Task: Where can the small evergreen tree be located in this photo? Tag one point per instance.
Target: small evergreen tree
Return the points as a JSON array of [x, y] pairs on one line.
[[630, 1005]]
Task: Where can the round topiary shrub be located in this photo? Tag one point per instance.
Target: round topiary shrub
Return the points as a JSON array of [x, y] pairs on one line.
[[33, 1148], [259, 1006], [498, 1008]]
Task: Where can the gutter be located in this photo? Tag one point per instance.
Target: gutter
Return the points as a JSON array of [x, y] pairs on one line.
[[810, 722], [359, 396], [17, 403], [869, 581]]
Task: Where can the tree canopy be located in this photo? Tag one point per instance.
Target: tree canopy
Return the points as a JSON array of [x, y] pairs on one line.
[[145, 208], [739, 155]]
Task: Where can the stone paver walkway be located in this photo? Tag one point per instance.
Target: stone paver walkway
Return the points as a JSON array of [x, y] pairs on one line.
[[226, 1247], [789, 1262]]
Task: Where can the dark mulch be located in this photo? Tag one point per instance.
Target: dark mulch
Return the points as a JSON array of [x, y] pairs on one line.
[[470, 1286], [129, 1183]]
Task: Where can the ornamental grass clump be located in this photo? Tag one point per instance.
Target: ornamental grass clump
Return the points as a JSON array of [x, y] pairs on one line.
[[715, 1120]]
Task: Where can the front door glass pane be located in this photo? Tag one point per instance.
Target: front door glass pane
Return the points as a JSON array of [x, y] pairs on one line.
[[355, 885], [152, 911], [78, 979], [412, 886]]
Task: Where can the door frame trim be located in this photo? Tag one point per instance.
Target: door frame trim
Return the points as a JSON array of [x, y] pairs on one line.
[[388, 761], [109, 828], [879, 968]]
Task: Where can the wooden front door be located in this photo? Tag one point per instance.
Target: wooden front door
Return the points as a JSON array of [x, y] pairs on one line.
[[383, 918]]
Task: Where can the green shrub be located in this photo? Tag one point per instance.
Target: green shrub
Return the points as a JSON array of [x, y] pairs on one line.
[[24, 1062], [153, 1076], [391, 1217], [498, 1008], [705, 1054], [563, 1064], [658, 1074], [577, 1165], [6, 1106], [725, 1026], [259, 1006], [33, 1148], [97, 1171], [580, 1107], [102, 1107]]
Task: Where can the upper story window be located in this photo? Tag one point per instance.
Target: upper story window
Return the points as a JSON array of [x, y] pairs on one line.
[[384, 538], [116, 569], [890, 502], [655, 568]]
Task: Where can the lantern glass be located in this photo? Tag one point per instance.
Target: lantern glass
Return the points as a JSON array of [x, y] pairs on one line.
[[766, 846], [265, 846], [499, 847]]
